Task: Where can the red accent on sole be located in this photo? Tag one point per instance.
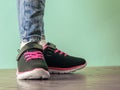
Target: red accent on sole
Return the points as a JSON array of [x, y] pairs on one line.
[[66, 69]]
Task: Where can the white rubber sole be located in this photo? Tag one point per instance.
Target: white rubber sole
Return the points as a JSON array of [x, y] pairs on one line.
[[65, 70], [38, 73]]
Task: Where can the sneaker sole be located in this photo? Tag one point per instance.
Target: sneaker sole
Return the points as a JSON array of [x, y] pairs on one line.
[[54, 70], [38, 73]]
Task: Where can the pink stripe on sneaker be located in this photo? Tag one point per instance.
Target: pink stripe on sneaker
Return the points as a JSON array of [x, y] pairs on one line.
[[65, 69]]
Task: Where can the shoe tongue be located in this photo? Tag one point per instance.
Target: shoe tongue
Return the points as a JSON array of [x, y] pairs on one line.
[[51, 45]]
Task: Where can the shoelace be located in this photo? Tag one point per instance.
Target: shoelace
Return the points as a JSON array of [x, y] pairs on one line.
[[60, 52], [55, 50], [33, 55]]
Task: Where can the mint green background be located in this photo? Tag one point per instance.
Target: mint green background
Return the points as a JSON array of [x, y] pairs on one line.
[[85, 28]]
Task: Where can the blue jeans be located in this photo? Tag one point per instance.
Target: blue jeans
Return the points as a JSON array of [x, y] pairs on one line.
[[30, 16]]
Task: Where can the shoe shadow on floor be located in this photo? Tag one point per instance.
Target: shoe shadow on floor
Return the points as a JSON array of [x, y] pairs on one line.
[[56, 82]]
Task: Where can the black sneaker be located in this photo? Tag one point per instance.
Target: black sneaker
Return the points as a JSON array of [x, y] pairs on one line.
[[60, 62], [31, 63]]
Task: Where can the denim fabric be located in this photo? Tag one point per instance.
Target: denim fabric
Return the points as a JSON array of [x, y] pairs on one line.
[[30, 15]]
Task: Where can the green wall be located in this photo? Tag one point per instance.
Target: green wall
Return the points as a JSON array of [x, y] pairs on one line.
[[86, 28]]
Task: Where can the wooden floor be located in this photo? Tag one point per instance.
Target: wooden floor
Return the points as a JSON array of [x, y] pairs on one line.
[[94, 78]]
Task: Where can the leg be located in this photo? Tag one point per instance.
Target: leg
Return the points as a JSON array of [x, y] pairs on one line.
[[30, 15], [30, 60], [31, 28]]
